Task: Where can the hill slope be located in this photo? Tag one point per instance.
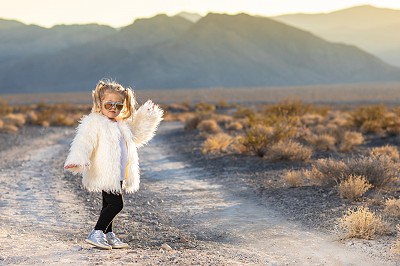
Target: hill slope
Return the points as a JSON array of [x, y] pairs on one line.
[[218, 50], [372, 29]]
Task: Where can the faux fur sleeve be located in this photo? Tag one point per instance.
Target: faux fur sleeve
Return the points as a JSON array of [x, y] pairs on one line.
[[145, 122], [83, 144]]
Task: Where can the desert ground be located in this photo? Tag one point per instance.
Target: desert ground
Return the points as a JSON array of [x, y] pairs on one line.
[[192, 208]]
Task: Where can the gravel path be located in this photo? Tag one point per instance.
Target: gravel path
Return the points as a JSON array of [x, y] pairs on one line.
[[46, 215]]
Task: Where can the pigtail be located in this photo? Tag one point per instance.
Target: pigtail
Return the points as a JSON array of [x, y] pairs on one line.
[[96, 97], [129, 105]]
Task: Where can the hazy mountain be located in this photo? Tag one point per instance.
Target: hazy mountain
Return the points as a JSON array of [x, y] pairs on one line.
[[218, 50], [18, 40], [375, 30]]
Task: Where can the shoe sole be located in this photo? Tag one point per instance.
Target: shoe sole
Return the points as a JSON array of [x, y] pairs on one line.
[[97, 245], [119, 247]]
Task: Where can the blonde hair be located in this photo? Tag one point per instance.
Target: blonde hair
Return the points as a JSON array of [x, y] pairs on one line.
[[108, 86]]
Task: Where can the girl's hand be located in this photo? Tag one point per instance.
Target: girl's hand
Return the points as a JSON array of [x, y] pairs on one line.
[[150, 105], [71, 166]]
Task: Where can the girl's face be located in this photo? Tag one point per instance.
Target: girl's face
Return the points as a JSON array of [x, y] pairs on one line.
[[111, 105]]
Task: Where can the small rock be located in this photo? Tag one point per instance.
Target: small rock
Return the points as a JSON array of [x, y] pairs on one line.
[[166, 247]]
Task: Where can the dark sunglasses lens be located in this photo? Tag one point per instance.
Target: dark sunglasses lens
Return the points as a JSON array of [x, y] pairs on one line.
[[119, 106], [108, 106]]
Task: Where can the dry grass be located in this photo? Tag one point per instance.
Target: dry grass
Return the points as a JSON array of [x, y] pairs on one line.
[[362, 223], [391, 151], [294, 178], [392, 208], [288, 150], [353, 187], [217, 143]]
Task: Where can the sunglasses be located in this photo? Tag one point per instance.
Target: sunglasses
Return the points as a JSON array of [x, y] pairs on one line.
[[116, 105]]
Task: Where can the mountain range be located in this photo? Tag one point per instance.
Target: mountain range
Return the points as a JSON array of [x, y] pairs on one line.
[[216, 50], [375, 30]]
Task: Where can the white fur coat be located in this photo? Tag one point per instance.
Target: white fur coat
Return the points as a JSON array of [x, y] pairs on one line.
[[96, 149]]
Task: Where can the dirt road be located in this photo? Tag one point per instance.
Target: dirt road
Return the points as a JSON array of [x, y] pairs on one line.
[[44, 220]]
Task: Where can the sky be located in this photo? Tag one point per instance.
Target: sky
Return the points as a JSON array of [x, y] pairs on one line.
[[119, 13]]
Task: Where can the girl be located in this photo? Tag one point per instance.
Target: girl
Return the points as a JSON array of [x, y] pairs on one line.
[[104, 151]]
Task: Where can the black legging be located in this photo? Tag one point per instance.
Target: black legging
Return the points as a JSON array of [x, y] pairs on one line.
[[112, 205]]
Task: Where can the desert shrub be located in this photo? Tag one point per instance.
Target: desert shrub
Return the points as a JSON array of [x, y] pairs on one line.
[[9, 128], [294, 178], [322, 142], [205, 107], [177, 107], [4, 107], [209, 126], [288, 150], [293, 107], [244, 112], [216, 143], [353, 187], [257, 139], [327, 171], [237, 145], [338, 118], [380, 171], [349, 140], [396, 246], [392, 208], [362, 223], [311, 119], [17, 120], [1, 124], [390, 151], [194, 120], [369, 118], [223, 119], [234, 125]]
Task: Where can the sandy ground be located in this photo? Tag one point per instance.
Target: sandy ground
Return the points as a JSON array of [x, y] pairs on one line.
[[205, 220]]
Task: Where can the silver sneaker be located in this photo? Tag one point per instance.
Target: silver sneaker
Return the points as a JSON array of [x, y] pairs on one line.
[[115, 242], [98, 238]]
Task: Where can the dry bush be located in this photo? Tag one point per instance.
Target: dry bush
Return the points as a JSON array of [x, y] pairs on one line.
[[349, 140], [234, 125], [390, 151], [177, 107], [209, 126], [380, 171], [257, 139], [338, 118], [9, 128], [4, 107], [237, 145], [362, 223], [192, 121], [321, 142], [353, 187], [17, 120], [217, 143], [369, 118], [392, 208], [288, 150], [223, 119], [293, 107], [1, 124], [205, 107], [396, 246], [294, 178], [311, 119], [327, 171]]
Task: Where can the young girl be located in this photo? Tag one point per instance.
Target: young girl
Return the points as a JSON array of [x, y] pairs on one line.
[[104, 151]]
